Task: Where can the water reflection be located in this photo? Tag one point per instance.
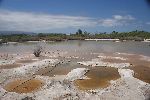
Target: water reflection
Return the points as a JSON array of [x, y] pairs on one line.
[[82, 47]]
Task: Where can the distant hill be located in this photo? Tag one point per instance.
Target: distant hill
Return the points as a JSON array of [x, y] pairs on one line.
[[16, 32]]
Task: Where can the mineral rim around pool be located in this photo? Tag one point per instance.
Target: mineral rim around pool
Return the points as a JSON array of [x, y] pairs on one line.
[[62, 69], [141, 67], [142, 73], [19, 86], [99, 77]]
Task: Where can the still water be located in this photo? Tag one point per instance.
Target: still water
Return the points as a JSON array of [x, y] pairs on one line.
[[99, 76], [82, 47]]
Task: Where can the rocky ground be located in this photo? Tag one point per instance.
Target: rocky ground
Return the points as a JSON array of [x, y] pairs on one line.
[[62, 87]]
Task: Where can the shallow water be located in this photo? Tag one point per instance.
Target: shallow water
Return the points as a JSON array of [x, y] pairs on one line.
[[86, 51], [62, 69], [100, 77], [27, 87], [140, 67], [142, 73], [82, 47]]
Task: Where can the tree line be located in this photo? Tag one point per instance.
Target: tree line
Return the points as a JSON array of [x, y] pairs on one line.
[[79, 35]]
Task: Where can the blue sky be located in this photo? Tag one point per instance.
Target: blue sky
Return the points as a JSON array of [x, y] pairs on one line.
[[70, 15]]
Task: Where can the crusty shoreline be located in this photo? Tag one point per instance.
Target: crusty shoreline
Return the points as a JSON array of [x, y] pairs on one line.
[[62, 86]]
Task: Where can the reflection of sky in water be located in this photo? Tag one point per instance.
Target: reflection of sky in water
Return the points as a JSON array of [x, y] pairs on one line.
[[81, 47]]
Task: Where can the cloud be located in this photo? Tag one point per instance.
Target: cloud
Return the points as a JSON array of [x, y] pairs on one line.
[[116, 20], [40, 22], [148, 23]]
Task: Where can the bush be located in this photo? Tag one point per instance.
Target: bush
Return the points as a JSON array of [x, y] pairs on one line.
[[38, 51]]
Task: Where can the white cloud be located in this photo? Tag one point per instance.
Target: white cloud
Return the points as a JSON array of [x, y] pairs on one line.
[[38, 22], [148, 23], [116, 20], [25, 21]]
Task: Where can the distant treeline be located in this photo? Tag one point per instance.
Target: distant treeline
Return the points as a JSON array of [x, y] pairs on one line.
[[79, 35]]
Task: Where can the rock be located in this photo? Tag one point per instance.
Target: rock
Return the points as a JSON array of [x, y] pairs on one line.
[[126, 73], [78, 73]]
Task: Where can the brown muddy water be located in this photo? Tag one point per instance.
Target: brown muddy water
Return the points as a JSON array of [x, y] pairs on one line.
[[140, 67], [142, 72], [27, 87], [100, 77], [62, 69]]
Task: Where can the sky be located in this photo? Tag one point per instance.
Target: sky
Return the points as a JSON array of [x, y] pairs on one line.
[[70, 15]]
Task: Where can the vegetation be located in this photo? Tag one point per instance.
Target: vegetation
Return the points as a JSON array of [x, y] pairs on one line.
[[38, 51], [79, 35]]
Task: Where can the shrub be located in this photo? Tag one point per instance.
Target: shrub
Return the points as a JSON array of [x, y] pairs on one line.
[[37, 51]]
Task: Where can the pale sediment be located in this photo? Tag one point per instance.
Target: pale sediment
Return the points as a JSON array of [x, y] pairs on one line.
[[5, 62], [146, 58], [61, 87], [78, 73], [99, 62], [126, 73], [58, 87], [125, 88], [27, 70], [109, 57]]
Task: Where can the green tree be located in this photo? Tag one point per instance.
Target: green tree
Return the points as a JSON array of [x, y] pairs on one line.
[[79, 32]]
